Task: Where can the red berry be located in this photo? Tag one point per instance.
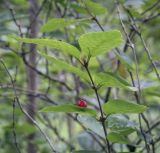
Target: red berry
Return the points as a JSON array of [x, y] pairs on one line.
[[82, 103]]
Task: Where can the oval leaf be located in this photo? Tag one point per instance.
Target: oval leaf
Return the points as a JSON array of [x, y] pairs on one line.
[[59, 45], [68, 108], [97, 43], [120, 124], [117, 138], [65, 66], [109, 79], [59, 23], [122, 107], [92, 124], [95, 8]]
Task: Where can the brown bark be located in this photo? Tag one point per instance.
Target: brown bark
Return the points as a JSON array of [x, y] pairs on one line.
[[32, 76]]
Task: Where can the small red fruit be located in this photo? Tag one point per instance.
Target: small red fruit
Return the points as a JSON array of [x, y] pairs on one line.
[[82, 103]]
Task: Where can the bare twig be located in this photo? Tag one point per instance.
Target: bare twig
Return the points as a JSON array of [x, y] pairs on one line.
[[14, 19], [137, 75], [36, 14], [131, 45], [151, 7], [14, 128], [55, 130], [17, 100], [139, 116], [144, 44]]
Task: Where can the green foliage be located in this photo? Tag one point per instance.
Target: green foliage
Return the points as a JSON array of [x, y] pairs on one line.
[[69, 41], [111, 80], [98, 43], [122, 107], [117, 138], [70, 109], [92, 44], [120, 124], [59, 23], [94, 8], [92, 124], [65, 66], [89, 7], [120, 128], [57, 44], [79, 8]]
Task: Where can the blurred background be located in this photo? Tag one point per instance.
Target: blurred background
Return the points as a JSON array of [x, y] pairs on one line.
[[39, 83]]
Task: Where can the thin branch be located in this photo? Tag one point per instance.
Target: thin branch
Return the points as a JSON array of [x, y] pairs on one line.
[[55, 130], [49, 100], [151, 7], [131, 45], [106, 99], [37, 14], [150, 18], [20, 106], [14, 128], [44, 75], [144, 44], [93, 135], [102, 119], [93, 17], [139, 115], [14, 19], [137, 75]]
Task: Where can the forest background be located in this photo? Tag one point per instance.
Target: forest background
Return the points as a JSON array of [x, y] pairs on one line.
[[79, 76]]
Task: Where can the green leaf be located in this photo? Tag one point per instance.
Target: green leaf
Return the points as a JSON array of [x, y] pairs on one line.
[[79, 8], [94, 8], [59, 45], [120, 124], [92, 124], [65, 66], [124, 131], [68, 108], [93, 63], [97, 43], [122, 107], [117, 138], [59, 23], [86, 151], [109, 79]]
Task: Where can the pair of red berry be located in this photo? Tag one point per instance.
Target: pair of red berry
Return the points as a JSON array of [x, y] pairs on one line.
[[82, 103]]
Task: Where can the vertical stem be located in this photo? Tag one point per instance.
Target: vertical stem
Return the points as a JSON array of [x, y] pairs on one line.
[[32, 76], [139, 115], [14, 128], [100, 107]]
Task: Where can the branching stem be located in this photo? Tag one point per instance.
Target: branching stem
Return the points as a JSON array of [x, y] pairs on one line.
[[102, 119]]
